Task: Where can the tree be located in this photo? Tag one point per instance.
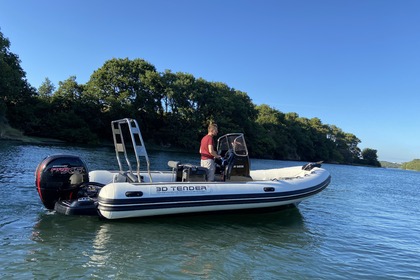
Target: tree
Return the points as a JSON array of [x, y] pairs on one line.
[[180, 102], [73, 117], [46, 89], [272, 139], [119, 89], [15, 92], [370, 157]]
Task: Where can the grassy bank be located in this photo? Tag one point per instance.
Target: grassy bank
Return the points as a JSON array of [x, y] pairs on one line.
[[9, 133]]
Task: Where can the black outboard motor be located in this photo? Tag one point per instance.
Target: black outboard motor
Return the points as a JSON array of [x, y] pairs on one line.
[[59, 177]]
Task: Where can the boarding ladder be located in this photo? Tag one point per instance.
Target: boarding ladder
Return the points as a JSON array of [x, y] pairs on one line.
[[119, 129]]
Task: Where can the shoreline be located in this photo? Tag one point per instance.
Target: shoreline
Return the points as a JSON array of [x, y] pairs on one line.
[[32, 140], [17, 136], [52, 141]]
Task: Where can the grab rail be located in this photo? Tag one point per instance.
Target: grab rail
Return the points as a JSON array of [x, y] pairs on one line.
[[137, 142]]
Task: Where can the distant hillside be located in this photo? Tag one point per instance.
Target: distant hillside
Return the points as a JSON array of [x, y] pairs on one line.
[[412, 165], [388, 164]]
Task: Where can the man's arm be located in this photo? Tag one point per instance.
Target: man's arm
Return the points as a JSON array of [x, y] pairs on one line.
[[213, 152]]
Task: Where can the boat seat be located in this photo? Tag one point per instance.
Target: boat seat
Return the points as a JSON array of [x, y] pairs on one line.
[[193, 173], [106, 177], [126, 176], [173, 164], [131, 177], [101, 176], [187, 172]]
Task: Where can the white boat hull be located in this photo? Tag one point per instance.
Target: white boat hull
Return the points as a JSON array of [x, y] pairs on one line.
[[65, 185], [160, 197]]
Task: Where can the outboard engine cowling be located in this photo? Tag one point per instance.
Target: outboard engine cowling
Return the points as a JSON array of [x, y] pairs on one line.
[[59, 177]]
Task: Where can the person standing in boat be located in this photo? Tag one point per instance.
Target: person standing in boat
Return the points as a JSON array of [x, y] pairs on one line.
[[208, 151]]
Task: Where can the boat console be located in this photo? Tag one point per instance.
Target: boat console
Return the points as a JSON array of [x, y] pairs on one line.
[[187, 172], [232, 147]]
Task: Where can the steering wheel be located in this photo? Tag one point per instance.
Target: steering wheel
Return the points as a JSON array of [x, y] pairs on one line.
[[228, 155]]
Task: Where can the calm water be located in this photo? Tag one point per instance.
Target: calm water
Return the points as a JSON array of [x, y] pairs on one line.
[[365, 225]]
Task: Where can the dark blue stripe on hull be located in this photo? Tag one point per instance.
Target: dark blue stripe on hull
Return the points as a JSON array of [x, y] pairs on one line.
[[135, 204]]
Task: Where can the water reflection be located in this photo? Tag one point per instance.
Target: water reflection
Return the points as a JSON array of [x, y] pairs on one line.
[[195, 246]]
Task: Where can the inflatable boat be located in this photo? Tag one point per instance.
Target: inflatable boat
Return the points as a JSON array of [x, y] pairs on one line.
[[65, 185]]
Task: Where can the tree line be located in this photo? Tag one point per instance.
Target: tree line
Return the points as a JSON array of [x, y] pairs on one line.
[[412, 165], [173, 109]]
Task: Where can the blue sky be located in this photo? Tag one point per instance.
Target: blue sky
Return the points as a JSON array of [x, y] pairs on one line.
[[352, 63]]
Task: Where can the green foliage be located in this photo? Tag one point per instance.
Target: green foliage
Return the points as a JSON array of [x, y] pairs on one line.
[[6, 132], [273, 138], [173, 109], [412, 165], [119, 89], [15, 91], [387, 164], [370, 157], [46, 89]]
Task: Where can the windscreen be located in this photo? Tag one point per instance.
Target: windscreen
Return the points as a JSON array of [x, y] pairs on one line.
[[236, 142]]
